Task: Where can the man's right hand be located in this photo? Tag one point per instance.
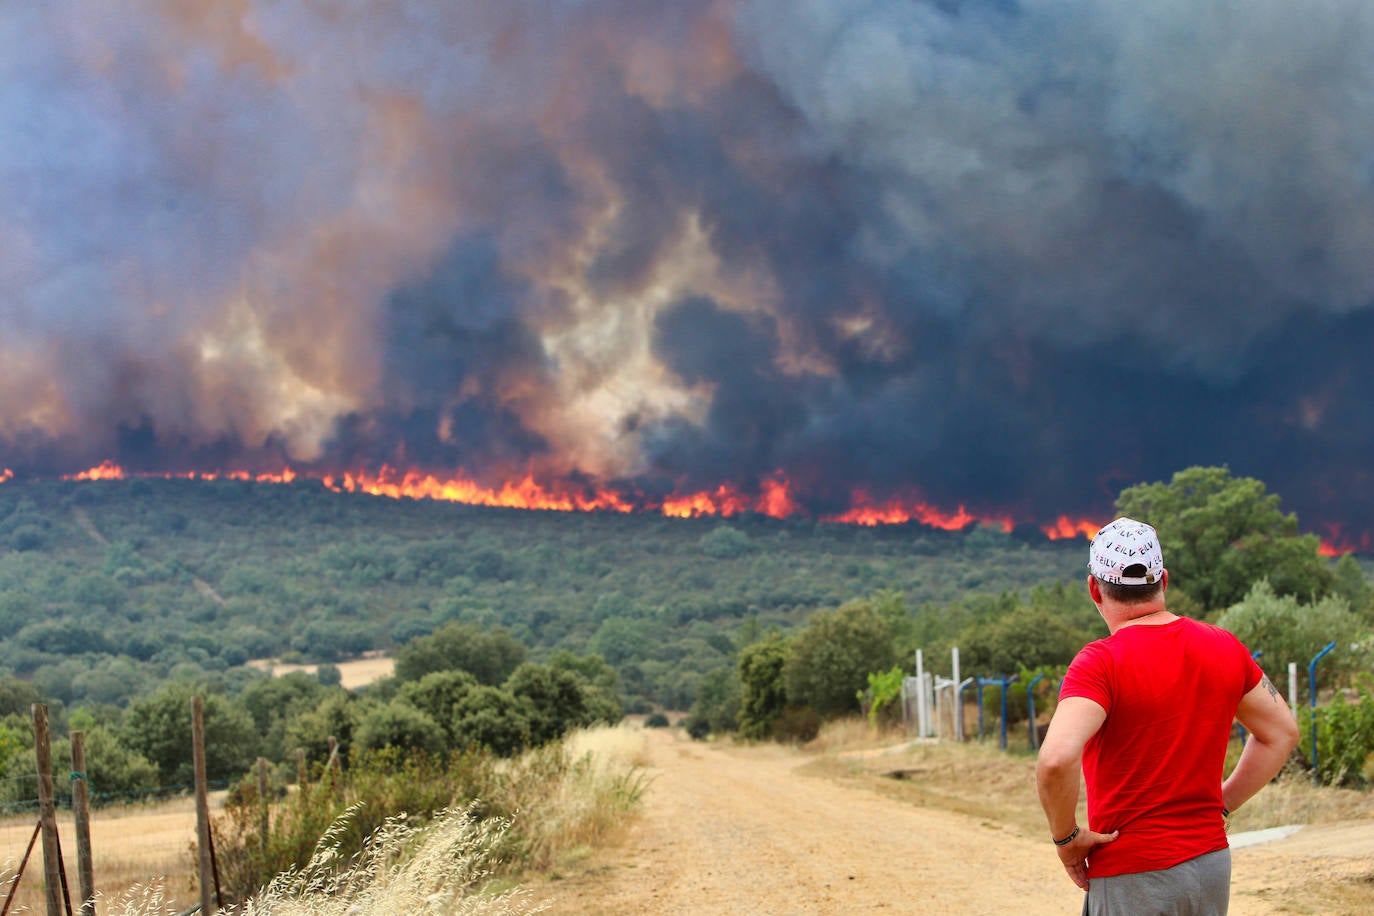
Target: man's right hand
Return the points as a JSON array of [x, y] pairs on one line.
[[1074, 855]]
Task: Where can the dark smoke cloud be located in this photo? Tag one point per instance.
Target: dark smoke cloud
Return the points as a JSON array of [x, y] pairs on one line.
[[1009, 255]]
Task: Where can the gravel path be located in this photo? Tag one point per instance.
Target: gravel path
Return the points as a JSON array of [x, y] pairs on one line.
[[739, 830]]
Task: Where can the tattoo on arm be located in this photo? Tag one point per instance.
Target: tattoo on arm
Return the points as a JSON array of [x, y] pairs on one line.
[[1273, 691]]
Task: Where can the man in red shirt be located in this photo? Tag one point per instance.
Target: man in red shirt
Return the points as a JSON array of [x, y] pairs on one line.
[[1146, 713]]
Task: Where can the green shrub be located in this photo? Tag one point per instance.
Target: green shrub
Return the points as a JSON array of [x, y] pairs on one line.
[[1345, 738], [884, 695]]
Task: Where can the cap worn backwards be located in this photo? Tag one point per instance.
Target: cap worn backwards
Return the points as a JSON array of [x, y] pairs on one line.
[[1126, 552]]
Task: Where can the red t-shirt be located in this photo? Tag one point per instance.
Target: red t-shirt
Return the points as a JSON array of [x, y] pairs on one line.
[[1154, 768]]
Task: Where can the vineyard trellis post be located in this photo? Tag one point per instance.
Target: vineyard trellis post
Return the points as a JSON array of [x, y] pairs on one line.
[[81, 814], [205, 867], [47, 813]]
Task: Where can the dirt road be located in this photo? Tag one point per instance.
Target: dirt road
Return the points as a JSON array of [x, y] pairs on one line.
[[744, 831]]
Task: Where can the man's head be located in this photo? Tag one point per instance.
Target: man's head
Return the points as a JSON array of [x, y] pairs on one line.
[[1126, 561]]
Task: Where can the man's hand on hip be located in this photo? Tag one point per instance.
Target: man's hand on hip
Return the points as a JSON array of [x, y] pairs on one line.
[[1075, 854]]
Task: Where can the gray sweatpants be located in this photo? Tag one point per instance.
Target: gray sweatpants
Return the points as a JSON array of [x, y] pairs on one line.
[[1198, 887]]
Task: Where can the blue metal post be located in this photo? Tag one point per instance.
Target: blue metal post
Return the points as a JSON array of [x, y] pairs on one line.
[[1030, 708], [1312, 688], [1001, 682], [979, 684]]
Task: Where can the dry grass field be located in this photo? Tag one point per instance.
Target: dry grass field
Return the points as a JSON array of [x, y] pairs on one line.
[[130, 845], [355, 673]]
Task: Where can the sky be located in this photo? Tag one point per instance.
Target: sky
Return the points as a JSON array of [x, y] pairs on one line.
[[1013, 256]]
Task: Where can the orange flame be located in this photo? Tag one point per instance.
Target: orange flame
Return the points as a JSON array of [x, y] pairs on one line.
[[774, 499], [1065, 527], [6, 474], [106, 470], [1340, 543], [898, 512]]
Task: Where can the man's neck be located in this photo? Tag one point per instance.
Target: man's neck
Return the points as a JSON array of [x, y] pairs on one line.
[[1149, 615]]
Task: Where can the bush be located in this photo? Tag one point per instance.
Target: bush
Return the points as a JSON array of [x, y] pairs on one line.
[[829, 661], [724, 543], [1286, 630], [657, 720], [884, 696], [1345, 738], [564, 800], [797, 723]]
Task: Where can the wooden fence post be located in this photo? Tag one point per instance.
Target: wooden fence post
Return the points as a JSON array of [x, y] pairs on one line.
[[81, 812], [206, 867], [47, 813], [263, 811]]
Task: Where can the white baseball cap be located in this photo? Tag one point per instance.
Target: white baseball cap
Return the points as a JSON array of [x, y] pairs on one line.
[[1126, 552]]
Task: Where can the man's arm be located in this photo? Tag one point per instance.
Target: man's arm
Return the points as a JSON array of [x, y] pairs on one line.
[[1057, 769], [1273, 735]]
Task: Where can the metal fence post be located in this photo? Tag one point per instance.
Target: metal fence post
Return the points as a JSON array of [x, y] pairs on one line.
[[1312, 686]]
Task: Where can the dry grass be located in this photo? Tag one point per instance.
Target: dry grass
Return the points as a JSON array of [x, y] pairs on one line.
[[851, 734], [442, 867], [599, 780], [569, 798], [1292, 799], [355, 673], [130, 846], [977, 779]]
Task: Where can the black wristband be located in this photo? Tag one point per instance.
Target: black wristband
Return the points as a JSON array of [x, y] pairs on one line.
[[1225, 812], [1068, 839]]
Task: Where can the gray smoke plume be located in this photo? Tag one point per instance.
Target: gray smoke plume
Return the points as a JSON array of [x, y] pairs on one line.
[[1008, 255]]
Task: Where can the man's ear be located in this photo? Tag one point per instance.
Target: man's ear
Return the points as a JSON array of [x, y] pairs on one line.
[[1163, 580], [1094, 590]]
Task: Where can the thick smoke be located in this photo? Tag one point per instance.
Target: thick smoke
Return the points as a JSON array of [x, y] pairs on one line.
[[1010, 255]]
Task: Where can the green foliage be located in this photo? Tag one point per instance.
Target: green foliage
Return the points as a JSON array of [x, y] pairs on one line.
[[725, 543], [1023, 638], [884, 694], [10, 750], [17, 696], [490, 718], [1286, 630], [720, 699], [1345, 738], [399, 725], [490, 655], [114, 773], [1350, 582], [1046, 693], [763, 685], [158, 727], [555, 700], [831, 657], [1220, 534], [337, 716]]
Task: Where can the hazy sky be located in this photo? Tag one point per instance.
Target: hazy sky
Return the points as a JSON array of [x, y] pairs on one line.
[[1011, 255]]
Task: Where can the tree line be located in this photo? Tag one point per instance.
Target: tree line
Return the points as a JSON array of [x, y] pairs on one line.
[[458, 689], [1235, 559]]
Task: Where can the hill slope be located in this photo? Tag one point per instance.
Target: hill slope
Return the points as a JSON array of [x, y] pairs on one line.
[[106, 586]]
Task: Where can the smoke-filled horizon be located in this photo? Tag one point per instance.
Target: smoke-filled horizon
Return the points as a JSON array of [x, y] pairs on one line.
[[1008, 255]]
